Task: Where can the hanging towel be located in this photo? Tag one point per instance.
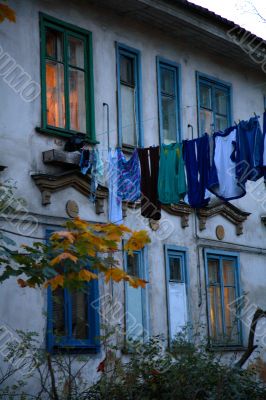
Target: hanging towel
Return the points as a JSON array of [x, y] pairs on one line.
[[85, 161], [115, 202], [222, 181], [172, 182], [149, 161], [129, 177], [249, 151], [197, 162], [97, 171]]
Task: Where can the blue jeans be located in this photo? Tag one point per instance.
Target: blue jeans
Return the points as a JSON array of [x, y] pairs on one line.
[[249, 151]]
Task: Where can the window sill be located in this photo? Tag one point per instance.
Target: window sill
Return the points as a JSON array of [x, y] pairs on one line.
[[65, 134], [74, 350], [226, 349]]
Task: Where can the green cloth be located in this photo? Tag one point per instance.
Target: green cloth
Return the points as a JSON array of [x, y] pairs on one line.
[[172, 181]]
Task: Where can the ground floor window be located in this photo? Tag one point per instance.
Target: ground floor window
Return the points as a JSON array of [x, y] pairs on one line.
[[222, 279]]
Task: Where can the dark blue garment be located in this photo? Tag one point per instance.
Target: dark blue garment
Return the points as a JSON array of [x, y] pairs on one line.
[[197, 162], [249, 151], [264, 145]]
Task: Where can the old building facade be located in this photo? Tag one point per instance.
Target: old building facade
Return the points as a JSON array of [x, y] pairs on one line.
[[140, 73]]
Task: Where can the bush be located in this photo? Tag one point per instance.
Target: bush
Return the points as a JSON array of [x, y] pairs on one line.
[[186, 372]]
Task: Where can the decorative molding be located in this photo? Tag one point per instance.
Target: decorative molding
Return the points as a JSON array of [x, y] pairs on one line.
[[181, 209], [232, 213], [48, 184], [263, 219]]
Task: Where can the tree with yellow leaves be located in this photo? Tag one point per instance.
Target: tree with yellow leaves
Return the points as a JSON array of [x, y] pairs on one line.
[[74, 256], [7, 13]]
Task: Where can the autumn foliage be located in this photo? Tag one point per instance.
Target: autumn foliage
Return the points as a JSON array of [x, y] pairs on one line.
[[76, 255], [7, 13]]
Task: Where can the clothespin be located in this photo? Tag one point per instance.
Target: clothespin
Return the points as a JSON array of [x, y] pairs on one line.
[[192, 130]]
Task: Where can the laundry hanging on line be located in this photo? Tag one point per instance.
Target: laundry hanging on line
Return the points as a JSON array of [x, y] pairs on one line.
[[149, 161], [157, 174], [222, 180], [171, 181]]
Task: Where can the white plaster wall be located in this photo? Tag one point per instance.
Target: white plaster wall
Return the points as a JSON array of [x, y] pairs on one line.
[[21, 147]]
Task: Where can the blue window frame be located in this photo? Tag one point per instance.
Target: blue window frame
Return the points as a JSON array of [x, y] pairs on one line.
[[214, 104], [223, 290], [136, 299], [73, 318], [168, 81], [176, 289], [129, 84]]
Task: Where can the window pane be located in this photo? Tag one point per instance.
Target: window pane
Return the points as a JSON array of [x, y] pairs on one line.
[[134, 314], [79, 315], [58, 312], [205, 96], [54, 44], [229, 272], [213, 271], [221, 102], [76, 52], [77, 100], [167, 81], [175, 269], [216, 313], [221, 123], [231, 327], [169, 119], [127, 70], [128, 115], [133, 264], [55, 97], [206, 121]]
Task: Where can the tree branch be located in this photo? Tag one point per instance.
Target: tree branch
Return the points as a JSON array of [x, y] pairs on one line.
[[50, 368], [251, 347]]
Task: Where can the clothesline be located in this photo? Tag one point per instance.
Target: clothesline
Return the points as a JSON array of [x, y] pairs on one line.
[[189, 171], [220, 163]]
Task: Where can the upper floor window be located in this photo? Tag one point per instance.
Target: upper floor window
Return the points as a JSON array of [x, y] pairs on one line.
[[168, 99], [214, 104], [129, 97], [223, 292], [136, 301], [67, 79]]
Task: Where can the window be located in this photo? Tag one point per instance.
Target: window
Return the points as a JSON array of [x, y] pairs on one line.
[[73, 319], [176, 281], [67, 79], [168, 99], [136, 300], [129, 97], [222, 293], [213, 105]]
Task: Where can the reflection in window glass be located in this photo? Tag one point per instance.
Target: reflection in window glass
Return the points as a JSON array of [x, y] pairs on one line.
[[168, 102], [55, 94], [222, 293], [214, 100]]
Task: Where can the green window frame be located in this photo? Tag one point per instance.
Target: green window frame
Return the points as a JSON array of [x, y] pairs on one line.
[[223, 292], [214, 104], [72, 96]]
